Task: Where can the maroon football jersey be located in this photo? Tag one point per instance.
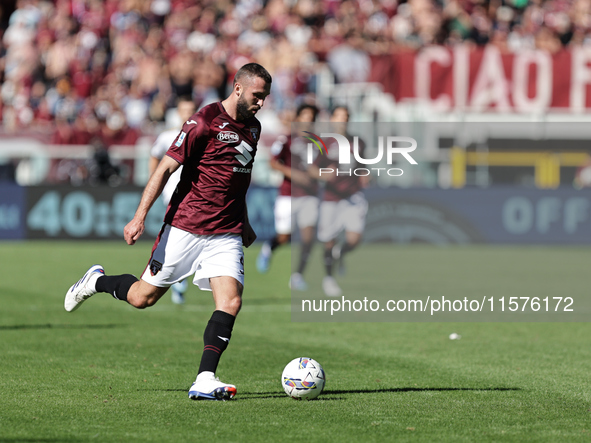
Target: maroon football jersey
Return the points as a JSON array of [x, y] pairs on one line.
[[344, 185], [292, 155], [217, 153]]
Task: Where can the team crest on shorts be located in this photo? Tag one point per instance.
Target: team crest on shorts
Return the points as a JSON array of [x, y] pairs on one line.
[[254, 132], [155, 267]]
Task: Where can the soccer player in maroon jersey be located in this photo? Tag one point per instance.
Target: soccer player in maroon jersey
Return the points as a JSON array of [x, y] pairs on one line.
[[297, 197], [343, 205], [206, 222]]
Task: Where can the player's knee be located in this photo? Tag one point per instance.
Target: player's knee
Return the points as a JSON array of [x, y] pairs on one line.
[[236, 303], [142, 302], [353, 242], [283, 238], [233, 305], [138, 303]]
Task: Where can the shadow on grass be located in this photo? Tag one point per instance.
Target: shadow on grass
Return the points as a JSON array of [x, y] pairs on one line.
[[332, 392], [27, 440], [259, 395], [52, 326], [372, 391]]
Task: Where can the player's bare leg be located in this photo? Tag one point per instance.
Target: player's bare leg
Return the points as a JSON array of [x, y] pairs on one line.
[[227, 296], [352, 239], [307, 234], [142, 295]]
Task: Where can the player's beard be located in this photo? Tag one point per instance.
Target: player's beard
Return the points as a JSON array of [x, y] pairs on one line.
[[242, 109]]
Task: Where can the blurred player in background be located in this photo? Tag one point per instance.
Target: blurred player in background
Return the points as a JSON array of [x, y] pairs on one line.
[[206, 223], [185, 109], [583, 176], [297, 197], [343, 205]]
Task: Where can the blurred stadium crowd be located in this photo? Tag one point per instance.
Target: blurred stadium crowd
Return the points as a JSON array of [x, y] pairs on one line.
[[86, 69]]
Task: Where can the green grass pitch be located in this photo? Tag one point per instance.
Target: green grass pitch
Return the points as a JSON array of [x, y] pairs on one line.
[[108, 372]]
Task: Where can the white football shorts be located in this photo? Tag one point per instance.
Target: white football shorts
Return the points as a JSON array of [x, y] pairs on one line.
[[347, 214], [171, 185], [304, 210], [177, 254]]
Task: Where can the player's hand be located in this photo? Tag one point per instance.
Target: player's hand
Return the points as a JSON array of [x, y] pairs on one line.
[[133, 230], [324, 176], [328, 176], [301, 178], [364, 181], [248, 235]]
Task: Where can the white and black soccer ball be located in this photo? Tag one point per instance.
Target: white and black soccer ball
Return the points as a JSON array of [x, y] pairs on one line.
[[303, 378]]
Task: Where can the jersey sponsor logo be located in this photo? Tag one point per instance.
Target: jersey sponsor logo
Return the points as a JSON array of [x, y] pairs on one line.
[[245, 155], [191, 122], [155, 267], [179, 142], [223, 125], [228, 137], [242, 170]]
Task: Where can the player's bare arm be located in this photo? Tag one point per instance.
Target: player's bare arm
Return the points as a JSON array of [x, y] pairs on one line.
[[135, 228], [279, 166], [326, 176], [296, 176], [364, 181], [153, 164]]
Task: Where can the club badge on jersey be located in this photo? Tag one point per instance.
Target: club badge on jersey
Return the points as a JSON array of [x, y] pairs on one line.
[[254, 132]]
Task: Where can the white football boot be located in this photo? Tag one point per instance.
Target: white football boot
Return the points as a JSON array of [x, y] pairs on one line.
[[331, 287], [177, 292], [209, 387], [297, 282], [264, 258], [84, 289]]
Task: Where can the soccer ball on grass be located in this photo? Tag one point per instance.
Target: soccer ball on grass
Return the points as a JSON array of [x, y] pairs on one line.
[[303, 378]]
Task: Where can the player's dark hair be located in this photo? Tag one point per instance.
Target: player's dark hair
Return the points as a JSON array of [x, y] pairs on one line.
[[184, 98], [305, 106], [335, 108], [253, 70]]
